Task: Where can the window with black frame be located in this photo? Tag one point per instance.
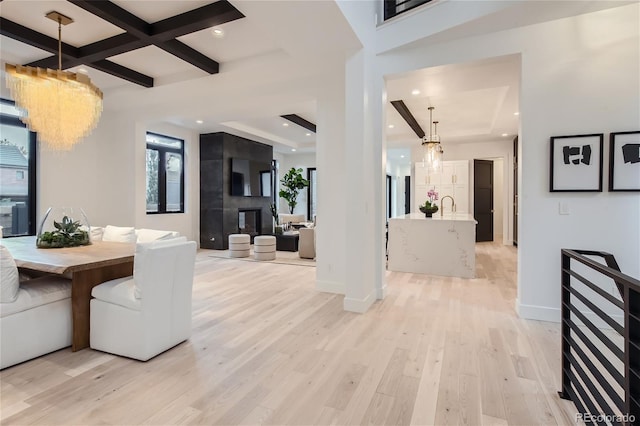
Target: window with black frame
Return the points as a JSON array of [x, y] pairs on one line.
[[312, 193], [165, 174], [17, 173]]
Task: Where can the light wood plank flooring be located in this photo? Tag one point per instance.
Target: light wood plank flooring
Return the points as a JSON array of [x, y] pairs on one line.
[[267, 348]]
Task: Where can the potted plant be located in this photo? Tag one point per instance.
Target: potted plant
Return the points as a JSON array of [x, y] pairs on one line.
[[293, 183], [430, 207], [68, 232], [274, 213]]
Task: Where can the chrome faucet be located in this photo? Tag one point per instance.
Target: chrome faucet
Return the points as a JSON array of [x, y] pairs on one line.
[[453, 204]]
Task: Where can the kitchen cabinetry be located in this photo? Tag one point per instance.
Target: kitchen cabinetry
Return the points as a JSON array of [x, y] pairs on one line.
[[452, 179]]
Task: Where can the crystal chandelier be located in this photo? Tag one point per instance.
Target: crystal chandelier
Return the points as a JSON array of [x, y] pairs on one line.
[[60, 106], [431, 144]]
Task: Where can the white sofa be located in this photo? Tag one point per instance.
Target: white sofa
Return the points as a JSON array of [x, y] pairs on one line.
[[35, 315], [290, 218], [126, 234], [145, 314]]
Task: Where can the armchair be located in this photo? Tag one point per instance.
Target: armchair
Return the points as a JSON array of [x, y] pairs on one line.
[[145, 314], [307, 243]]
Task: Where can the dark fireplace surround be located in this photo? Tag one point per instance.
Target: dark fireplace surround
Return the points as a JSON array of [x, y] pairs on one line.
[[219, 210]]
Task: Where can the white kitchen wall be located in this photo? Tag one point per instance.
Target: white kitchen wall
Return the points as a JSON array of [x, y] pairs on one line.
[[499, 149], [567, 88]]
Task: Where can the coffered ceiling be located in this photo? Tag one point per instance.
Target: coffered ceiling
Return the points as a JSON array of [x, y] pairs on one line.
[[274, 61]]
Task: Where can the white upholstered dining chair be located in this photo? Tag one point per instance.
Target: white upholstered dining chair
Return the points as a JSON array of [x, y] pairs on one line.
[[145, 314]]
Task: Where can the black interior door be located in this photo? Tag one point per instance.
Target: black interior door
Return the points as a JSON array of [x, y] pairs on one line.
[[515, 191], [483, 199], [407, 194], [389, 194]]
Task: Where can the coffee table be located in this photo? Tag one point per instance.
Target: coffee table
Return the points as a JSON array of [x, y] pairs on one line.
[[88, 266], [287, 242]]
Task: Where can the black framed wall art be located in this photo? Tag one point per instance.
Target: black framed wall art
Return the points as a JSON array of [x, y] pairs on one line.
[[576, 163], [624, 161]]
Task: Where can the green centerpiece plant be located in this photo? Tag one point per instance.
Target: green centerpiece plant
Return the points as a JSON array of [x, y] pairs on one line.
[[65, 233], [293, 183]]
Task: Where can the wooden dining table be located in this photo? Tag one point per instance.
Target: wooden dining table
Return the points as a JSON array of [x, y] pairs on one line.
[[86, 266]]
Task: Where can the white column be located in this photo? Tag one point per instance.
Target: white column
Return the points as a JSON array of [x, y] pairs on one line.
[[332, 190], [365, 181]]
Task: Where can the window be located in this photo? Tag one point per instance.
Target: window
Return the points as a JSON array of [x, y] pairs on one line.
[[17, 173], [312, 194], [165, 174]]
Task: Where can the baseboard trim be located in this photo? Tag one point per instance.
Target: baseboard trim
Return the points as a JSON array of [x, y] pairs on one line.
[[538, 313], [381, 293], [329, 287], [359, 305], [543, 313]]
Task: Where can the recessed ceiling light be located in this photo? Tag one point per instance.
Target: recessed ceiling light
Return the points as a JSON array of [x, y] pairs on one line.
[[415, 92], [293, 149], [308, 134], [285, 124], [402, 156], [217, 32], [391, 126], [505, 134], [516, 113], [199, 121]]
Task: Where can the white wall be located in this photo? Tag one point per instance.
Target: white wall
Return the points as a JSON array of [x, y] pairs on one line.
[[299, 161], [567, 88], [96, 175], [105, 176]]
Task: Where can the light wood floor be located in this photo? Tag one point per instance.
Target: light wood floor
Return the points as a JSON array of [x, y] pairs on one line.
[[268, 348]]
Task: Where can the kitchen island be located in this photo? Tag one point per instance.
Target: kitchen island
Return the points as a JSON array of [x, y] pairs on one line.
[[441, 245]]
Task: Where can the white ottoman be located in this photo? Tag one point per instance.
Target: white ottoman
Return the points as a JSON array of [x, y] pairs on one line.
[[264, 247], [239, 245]]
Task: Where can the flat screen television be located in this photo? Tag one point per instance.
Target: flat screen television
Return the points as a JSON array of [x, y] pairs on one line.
[[250, 178]]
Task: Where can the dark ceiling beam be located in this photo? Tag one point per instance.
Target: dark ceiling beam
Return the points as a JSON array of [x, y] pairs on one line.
[[194, 20], [117, 16], [138, 34], [28, 36], [70, 54], [123, 72], [192, 56], [295, 118], [408, 117]]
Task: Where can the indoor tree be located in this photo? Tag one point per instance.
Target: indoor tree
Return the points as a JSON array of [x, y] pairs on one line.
[[293, 183]]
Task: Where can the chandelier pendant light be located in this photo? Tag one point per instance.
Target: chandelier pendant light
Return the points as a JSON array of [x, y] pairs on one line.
[[61, 106], [431, 145]]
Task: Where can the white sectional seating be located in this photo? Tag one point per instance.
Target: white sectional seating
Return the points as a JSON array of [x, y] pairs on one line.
[[35, 315], [128, 234]]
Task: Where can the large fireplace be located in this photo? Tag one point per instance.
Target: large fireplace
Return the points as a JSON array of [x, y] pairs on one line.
[[249, 221]]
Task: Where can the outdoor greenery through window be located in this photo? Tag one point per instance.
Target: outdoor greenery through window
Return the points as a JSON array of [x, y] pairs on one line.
[[165, 174], [17, 173]]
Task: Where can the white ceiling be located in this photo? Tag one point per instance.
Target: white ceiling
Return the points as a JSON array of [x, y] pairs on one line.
[[275, 61]]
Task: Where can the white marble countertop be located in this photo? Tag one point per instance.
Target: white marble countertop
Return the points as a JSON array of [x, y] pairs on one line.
[[461, 217]]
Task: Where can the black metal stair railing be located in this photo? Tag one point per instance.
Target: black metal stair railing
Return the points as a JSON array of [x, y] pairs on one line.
[[600, 366], [396, 7]]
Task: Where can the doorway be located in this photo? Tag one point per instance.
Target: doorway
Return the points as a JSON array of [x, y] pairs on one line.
[[483, 199], [407, 194]]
